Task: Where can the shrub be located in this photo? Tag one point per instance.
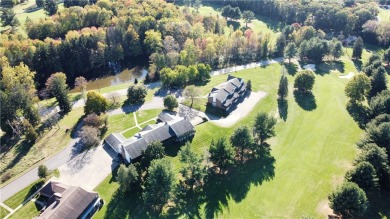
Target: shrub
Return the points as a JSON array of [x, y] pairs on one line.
[[43, 172], [92, 120]]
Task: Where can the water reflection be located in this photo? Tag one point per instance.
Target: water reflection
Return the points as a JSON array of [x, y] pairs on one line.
[[127, 75]]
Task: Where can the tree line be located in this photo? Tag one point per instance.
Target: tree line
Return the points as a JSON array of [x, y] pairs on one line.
[[371, 171]]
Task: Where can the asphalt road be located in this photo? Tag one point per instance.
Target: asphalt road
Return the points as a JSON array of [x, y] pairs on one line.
[[66, 154]]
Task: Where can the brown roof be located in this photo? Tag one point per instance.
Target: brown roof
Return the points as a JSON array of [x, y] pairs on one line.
[[53, 187], [70, 204]]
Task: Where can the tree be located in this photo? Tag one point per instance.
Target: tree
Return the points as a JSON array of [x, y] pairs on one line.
[[386, 56], [358, 88], [197, 5], [242, 140], [153, 41], [92, 120], [221, 153], [155, 150], [170, 102], [380, 104], [348, 200], [336, 49], [81, 84], [226, 11], [136, 94], [357, 48], [7, 17], [159, 183], [96, 103], [304, 81], [114, 97], [31, 134], [290, 51], [248, 16], [40, 3], [89, 136], [378, 158], [378, 81], [249, 85], [191, 92], [264, 127], [43, 172], [193, 170], [50, 7], [364, 176], [283, 87], [56, 85], [127, 177]]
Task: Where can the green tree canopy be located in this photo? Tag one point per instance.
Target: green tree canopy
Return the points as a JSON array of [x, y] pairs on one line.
[[358, 88], [283, 87], [364, 176], [155, 150], [349, 200], [43, 171], [170, 102], [357, 48], [56, 85], [127, 177], [136, 94], [96, 103], [304, 81], [159, 184], [248, 16], [51, 7], [7, 17], [264, 127], [290, 51], [242, 139], [221, 153]]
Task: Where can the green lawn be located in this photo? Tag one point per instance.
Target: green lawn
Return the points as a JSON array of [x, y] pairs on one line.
[[118, 123], [259, 24], [130, 133], [3, 212], [143, 116], [313, 149], [29, 210], [384, 15], [22, 196]]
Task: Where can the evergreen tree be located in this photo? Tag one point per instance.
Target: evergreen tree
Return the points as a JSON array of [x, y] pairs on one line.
[[155, 150], [242, 140], [290, 51], [221, 153], [159, 184], [357, 48], [283, 87], [264, 127], [364, 176], [127, 177], [56, 85], [378, 81]]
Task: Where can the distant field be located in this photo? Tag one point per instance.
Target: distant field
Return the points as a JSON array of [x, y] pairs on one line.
[[313, 149], [384, 15]]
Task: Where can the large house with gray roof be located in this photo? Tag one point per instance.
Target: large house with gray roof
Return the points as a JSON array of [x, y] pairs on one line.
[[64, 201], [171, 128], [225, 95]]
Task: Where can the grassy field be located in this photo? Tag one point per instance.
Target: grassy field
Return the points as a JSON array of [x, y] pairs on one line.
[[384, 15], [22, 196], [29, 210], [19, 156], [260, 24], [3, 212], [313, 149]]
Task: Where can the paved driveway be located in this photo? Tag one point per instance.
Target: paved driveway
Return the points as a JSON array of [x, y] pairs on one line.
[[242, 110], [89, 168]]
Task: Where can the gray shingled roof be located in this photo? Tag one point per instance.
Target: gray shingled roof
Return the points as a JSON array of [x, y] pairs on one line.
[[181, 127], [135, 148], [72, 203], [115, 140], [222, 94], [159, 134]]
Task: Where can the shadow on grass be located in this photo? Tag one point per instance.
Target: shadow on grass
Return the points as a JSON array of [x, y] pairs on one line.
[[33, 189], [359, 113], [219, 188], [291, 68], [22, 150], [172, 148], [305, 100], [358, 64], [283, 108], [327, 67]]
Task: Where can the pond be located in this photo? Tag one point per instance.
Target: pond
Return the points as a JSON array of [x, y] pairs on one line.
[[127, 75]]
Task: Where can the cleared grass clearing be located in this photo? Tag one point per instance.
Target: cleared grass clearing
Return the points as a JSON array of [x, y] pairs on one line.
[[29, 210], [384, 15], [20, 156], [3, 212], [22, 196], [313, 149]]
